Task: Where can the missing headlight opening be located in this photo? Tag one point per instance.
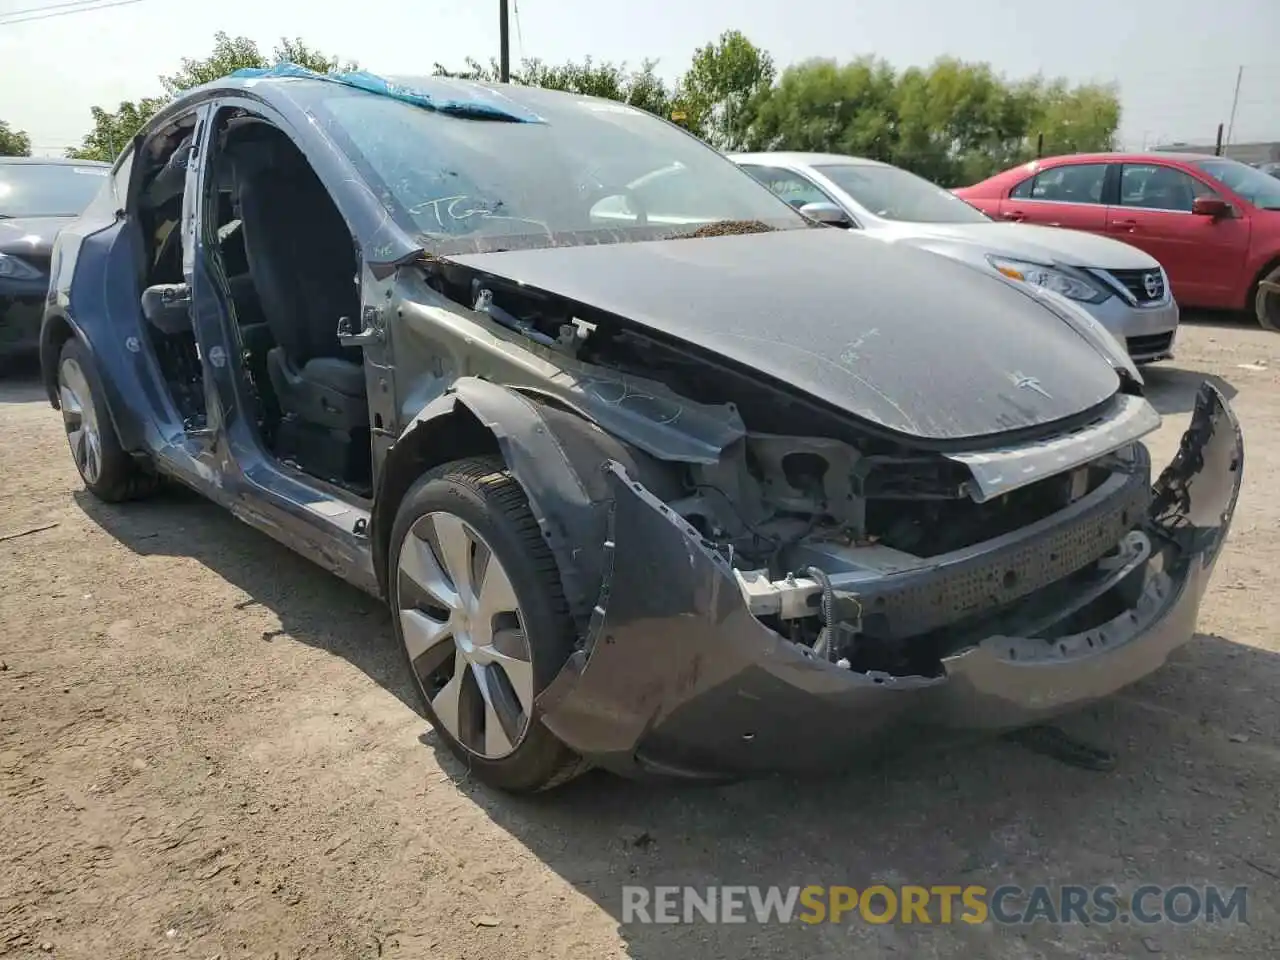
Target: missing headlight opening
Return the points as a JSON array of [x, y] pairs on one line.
[[878, 556]]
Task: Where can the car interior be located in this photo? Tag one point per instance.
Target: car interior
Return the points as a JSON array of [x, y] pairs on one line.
[[157, 217], [1073, 183], [1162, 188], [289, 270]]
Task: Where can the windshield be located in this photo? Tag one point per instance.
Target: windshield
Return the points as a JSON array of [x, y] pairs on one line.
[[895, 194], [594, 170], [47, 189], [1252, 184]]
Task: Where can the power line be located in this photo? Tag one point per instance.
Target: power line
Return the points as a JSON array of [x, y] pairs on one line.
[[46, 6], [33, 14]]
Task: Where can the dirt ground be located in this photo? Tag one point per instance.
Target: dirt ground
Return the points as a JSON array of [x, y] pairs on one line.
[[207, 748]]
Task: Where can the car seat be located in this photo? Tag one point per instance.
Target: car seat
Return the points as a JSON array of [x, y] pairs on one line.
[[302, 261]]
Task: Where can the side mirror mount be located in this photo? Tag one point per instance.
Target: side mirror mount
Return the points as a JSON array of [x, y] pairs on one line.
[[827, 213], [1214, 207]]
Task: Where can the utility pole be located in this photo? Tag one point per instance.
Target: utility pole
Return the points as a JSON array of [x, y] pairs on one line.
[[1234, 101], [504, 43]]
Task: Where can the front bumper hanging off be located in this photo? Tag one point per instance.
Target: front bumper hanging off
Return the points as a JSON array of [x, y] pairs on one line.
[[678, 677]]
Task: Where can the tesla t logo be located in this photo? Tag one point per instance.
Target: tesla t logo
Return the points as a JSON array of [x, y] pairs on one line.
[[1029, 383], [1151, 283]]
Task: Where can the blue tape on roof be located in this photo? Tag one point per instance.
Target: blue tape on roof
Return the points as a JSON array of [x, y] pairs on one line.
[[371, 83]]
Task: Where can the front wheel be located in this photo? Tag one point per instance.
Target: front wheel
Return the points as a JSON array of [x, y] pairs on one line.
[[108, 472], [478, 609]]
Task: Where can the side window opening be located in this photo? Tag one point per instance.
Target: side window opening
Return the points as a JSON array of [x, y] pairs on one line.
[[1153, 186], [788, 185], [1069, 183]]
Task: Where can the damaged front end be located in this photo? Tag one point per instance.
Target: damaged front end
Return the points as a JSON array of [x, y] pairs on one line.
[[700, 663]]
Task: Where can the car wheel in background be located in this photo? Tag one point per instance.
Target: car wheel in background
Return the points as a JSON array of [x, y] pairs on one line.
[[108, 472], [1266, 305], [478, 609]]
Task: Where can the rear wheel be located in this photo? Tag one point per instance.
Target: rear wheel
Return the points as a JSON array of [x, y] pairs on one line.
[[108, 472], [1266, 304], [480, 614]]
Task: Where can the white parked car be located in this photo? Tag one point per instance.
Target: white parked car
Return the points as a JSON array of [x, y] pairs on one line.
[[1125, 289]]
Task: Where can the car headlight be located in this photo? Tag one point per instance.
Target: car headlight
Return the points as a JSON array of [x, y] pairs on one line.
[[12, 268], [1059, 281], [1088, 326]]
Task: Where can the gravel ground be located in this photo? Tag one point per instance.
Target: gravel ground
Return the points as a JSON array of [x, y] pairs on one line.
[[207, 748]]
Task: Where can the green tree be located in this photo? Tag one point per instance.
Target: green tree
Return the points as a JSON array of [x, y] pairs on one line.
[[1083, 119], [825, 106], [112, 130], [13, 143], [957, 120], [229, 54], [952, 122], [641, 88], [724, 88], [295, 51]]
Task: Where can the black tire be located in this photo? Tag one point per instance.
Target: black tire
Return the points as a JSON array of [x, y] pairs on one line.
[[482, 493], [1266, 306], [119, 477]]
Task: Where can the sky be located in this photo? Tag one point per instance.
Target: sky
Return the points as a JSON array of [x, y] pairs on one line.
[[1176, 61]]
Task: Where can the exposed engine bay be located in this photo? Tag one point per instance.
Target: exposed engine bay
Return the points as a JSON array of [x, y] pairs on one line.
[[845, 540]]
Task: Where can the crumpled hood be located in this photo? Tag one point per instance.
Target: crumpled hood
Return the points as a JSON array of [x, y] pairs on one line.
[[1022, 241], [918, 344], [32, 236]]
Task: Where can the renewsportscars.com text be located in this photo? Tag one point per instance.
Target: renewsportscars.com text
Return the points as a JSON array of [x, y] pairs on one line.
[[939, 904]]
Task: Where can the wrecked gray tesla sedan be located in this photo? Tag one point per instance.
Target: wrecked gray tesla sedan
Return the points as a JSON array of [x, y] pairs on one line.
[[659, 478]]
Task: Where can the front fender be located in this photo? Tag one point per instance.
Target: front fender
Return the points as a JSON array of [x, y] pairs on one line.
[[556, 456]]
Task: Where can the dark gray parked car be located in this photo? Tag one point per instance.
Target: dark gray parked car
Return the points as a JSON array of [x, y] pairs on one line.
[[714, 491], [38, 197]]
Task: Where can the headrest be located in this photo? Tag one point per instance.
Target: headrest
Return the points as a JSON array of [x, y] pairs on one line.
[[250, 151], [171, 180]]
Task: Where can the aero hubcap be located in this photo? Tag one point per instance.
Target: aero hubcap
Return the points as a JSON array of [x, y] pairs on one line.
[[80, 420], [464, 633]]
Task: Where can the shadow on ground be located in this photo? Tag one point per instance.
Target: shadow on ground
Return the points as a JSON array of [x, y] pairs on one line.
[[1192, 799], [313, 606]]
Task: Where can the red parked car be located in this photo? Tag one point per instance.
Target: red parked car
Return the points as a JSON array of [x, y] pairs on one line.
[[1213, 223]]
